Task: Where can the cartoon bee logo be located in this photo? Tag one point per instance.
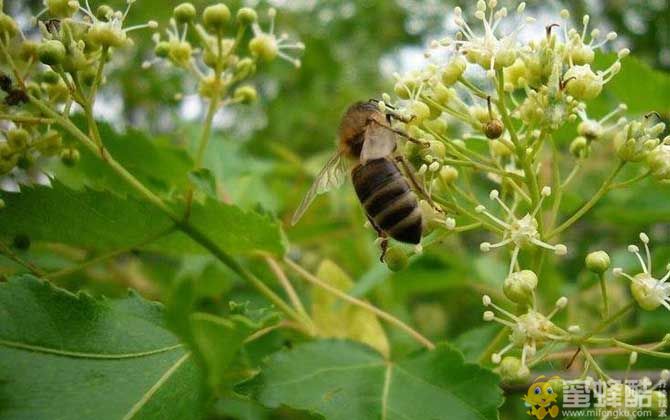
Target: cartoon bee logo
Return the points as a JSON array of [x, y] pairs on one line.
[[541, 399]]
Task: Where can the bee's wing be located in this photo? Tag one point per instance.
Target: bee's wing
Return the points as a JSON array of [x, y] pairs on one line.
[[331, 176], [379, 142]]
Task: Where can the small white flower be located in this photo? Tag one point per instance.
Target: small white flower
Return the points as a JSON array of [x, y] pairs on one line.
[[519, 232], [648, 291]]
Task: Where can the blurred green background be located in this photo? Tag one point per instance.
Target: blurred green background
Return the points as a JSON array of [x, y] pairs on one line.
[[268, 153]]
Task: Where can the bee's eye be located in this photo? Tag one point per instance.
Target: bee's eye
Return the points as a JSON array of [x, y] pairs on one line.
[[538, 391], [550, 391]]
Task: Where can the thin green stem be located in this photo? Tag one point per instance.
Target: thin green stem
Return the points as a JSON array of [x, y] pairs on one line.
[[493, 345], [98, 75], [589, 204], [601, 373], [603, 291], [630, 182], [23, 119], [609, 321]]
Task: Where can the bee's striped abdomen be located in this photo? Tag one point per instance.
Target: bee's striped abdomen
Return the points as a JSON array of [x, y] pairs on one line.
[[388, 199]]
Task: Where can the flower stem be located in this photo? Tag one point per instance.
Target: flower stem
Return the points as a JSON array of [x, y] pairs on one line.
[[603, 291], [589, 204]]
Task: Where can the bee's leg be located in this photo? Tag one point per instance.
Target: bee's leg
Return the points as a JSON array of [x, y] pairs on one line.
[[384, 238], [415, 183], [402, 133]]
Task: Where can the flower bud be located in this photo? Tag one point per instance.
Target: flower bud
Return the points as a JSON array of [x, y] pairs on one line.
[[247, 16], [419, 111], [104, 13], [264, 46], [162, 49], [439, 127], [598, 262], [512, 370], [582, 83], [51, 52], [448, 174], [454, 70], [244, 68], [519, 286], [62, 8], [493, 129], [106, 35], [396, 259], [215, 17], [18, 138], [50, 143], [184, 13], [180, 53], [245, 94], [69, 157], [579, 147], [582, 54], [28, 50]]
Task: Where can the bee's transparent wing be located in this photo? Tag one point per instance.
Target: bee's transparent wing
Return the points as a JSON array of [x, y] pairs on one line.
[[379, 142], [331, 176]]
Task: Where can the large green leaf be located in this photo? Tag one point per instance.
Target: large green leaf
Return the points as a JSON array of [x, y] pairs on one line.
[[65, 356], [105, 221], [343, 380]]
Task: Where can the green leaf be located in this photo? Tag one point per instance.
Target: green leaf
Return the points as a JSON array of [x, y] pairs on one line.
[[162, 167], [71, 356], [343, 380], [204, 180], [639, 86], [337, 319], [104, 221]]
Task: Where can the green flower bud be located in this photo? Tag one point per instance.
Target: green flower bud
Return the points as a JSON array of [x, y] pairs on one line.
[[8, 26], [598, 262], [582, 83], [69, 157], [58, 92], [244, 68], [396, 259], [18, 138], [21, 242], [211, 55], [50, 143], [579, 147], [215, 17], [498, 148], [582, 54], [448, 174], [208, 87], [2, 204], [162, 49], [62, 8], [184, 13], [103, 34], [419, 111], [28, 50], [264, 46], [512, 370], [245, 94], [493, 129], [104, 13], [247, 16], [51, 52], [180, 53], [520, 286], [454, 70]]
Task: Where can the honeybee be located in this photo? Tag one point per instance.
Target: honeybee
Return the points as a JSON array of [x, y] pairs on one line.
[[367, 138]]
